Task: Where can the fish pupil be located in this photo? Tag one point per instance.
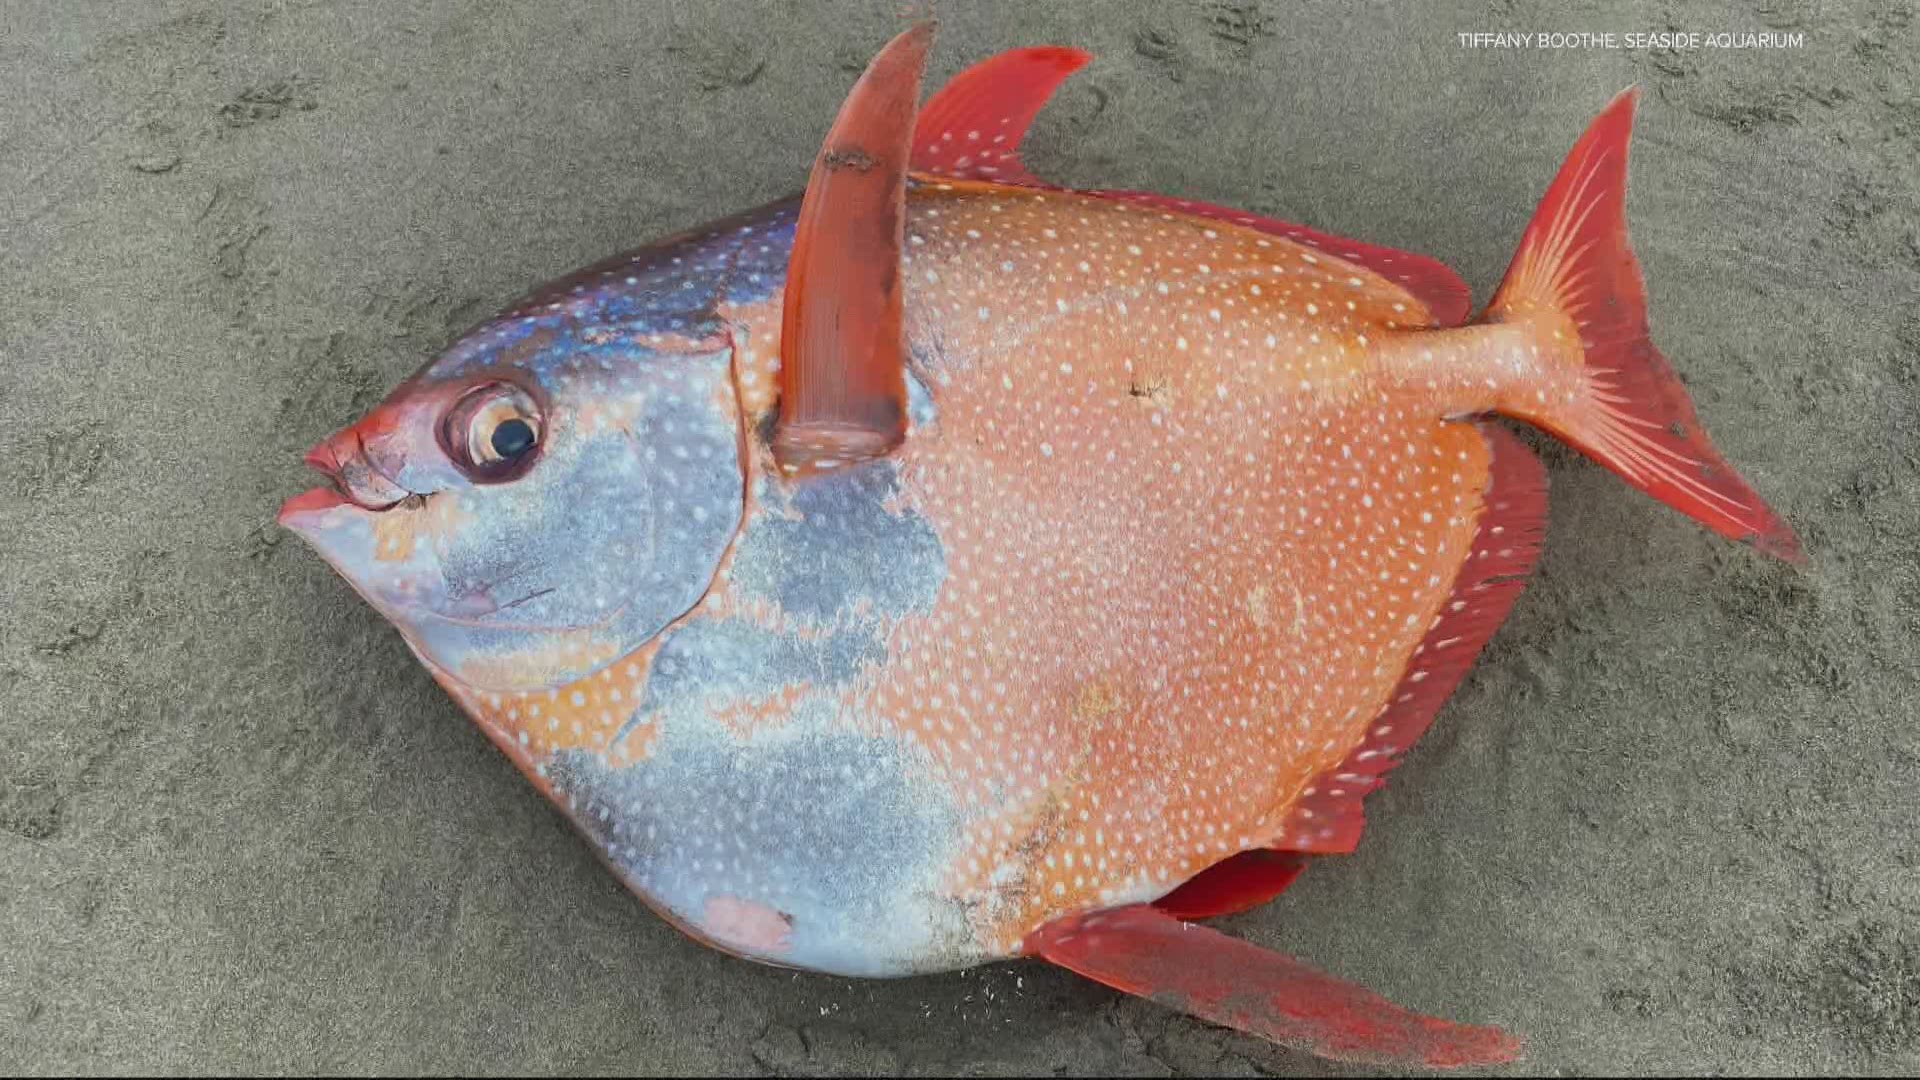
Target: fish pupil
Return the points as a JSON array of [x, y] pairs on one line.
[[512, 438]]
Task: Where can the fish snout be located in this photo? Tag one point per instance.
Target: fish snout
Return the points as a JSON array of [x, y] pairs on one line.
[[364, 462]]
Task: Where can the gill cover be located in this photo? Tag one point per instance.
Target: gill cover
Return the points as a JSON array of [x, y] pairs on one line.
[[544, 498]]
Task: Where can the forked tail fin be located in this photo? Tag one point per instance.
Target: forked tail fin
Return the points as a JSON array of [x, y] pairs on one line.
[[1577, 286]]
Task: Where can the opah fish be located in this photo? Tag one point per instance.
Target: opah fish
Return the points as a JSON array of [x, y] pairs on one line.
[[945, 566]]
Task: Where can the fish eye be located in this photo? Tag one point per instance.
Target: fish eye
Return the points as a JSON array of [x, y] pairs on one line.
[[492, 432], [512, 438]]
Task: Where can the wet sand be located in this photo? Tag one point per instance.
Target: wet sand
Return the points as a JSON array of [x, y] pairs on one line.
[[1668, 824]]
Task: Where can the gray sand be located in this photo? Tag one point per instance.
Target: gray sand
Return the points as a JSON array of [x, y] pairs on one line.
[[1668, 824]]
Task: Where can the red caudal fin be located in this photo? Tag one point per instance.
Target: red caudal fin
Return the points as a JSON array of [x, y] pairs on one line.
[[1607, 390], [974, 126], [1328, 817], [1223, 980], [1235, 884], [843, 391]]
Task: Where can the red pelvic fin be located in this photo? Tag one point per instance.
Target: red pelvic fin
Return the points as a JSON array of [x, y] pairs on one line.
[[843, 393], [1235, 884], [1432, 282], [1575, 271], [1329, 817], [973, 127], [1223, 980]]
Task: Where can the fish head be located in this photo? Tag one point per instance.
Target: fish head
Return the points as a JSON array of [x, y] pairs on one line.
[[539, 501]]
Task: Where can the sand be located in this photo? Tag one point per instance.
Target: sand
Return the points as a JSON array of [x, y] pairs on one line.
[[1668, 824]]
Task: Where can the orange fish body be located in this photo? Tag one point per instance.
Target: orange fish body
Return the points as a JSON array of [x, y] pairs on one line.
[[1198, 508], [1167, 531]]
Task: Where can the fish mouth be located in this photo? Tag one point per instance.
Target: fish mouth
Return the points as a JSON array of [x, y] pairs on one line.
[[302, 508], [353, 480], [305, 511]]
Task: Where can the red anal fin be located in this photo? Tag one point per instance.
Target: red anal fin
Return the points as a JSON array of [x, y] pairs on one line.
[[843, 392], [1226, 981], [1235, 884], [1329, 817], [973, 127], [1431, 281]]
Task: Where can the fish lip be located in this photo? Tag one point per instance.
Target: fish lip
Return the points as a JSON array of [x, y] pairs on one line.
[[330, 497], [322, 459], [309, 504]]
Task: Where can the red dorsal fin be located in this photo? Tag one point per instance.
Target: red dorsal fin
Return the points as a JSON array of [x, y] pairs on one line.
[[1431, 282], [1224, 980], [843, 393], [1235, 884], [973, 127], [1328, 818]]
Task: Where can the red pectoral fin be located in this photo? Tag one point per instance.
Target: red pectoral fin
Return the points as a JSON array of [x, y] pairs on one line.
[[1226, 981], [843, 394]]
